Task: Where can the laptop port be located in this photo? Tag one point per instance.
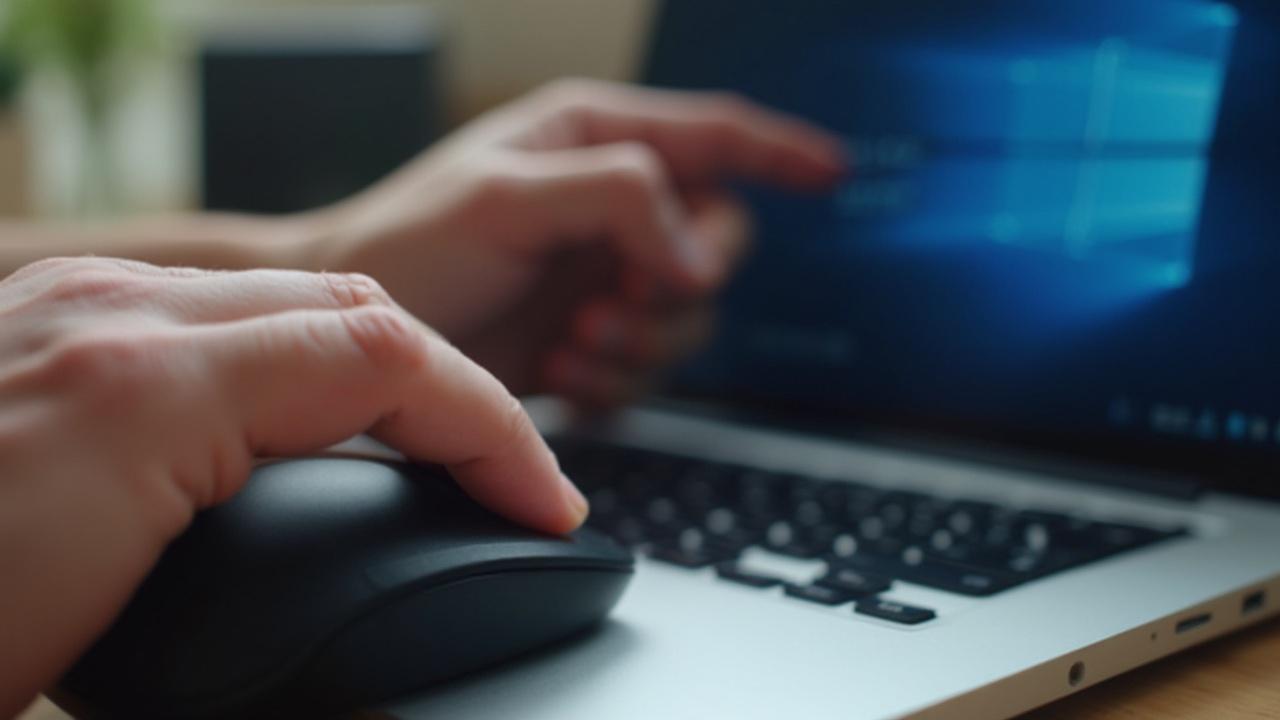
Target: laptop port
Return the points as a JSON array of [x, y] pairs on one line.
[[1075, 674], [1253, 602], [1191, 623]]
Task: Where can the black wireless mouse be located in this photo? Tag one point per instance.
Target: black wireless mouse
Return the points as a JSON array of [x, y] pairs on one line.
[[332, 584]]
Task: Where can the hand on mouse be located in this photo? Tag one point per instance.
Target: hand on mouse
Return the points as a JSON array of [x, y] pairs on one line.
[[132, 396], [571, 242]]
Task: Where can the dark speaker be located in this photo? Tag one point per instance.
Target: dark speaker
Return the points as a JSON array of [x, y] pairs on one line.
[[306, 107]]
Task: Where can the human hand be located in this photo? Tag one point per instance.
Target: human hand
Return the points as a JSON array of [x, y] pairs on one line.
[[132, 396], [572, 241]]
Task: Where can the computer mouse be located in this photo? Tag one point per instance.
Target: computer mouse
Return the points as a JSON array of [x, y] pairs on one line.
[[331, 584]]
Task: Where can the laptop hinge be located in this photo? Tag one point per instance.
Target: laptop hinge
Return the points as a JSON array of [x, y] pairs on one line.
[[1139, 480]]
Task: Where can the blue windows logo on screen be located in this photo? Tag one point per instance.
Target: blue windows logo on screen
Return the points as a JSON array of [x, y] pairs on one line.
[[1089, 137]]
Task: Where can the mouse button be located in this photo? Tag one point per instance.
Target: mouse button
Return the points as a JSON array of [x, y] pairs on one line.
[[299, 503], [439, 563], [602, 547], [282, 520], [215, 556], [442, 564]]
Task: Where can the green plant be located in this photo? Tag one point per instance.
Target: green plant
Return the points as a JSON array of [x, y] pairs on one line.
[[83, 38], [9, 79], [89, 44]]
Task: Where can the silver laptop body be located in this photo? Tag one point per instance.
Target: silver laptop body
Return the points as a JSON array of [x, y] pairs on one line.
[[1059, 247], [686, 644]]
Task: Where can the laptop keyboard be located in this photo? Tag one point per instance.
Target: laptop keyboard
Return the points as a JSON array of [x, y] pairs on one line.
[[696, 513]]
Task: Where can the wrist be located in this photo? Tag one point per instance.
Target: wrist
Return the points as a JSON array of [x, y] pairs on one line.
[[311, 241], [286, 242]]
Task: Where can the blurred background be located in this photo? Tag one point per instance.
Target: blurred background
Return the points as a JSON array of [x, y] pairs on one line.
[[114, 107]]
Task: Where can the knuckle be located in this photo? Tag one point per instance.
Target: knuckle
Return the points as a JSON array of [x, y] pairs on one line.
[[570, 101], [64, 267], [494, 201], [351, 290], [638, 173], [58, 267], [98, 284], [568, 91], [104, 364], [494, 190], [142, 268], [387, 337], [45, 267], [727, 116], [639, 158], [728, 106]]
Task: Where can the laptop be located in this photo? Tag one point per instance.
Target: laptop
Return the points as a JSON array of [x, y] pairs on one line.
[[994, 422]]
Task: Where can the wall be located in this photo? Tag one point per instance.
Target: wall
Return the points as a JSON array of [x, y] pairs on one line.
[[503, 47], [495, 50]]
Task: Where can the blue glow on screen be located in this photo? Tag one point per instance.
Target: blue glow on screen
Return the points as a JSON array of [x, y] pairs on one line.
[[1093, 146], [1058, 208]]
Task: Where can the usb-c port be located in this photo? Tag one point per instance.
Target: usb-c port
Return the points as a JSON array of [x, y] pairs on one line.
[[1253, 602], [1191, 623]]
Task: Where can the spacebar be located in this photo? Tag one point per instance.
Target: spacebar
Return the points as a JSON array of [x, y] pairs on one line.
[[932, 572]]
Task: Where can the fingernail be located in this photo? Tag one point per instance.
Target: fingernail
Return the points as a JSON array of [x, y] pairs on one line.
[[577, 503]]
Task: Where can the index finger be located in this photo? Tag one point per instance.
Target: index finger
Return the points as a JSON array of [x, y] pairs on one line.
[[703, 137], [302, 380]]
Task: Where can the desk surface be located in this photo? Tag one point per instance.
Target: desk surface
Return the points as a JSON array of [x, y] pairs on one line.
[[1235, 677]]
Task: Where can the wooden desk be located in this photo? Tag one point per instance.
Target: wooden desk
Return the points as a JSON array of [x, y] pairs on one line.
[[1235, 677]]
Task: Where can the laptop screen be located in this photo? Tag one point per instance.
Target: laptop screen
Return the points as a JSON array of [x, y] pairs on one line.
[[1062, 232]]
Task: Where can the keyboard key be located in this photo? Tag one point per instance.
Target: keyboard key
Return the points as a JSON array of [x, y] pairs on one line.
[[701, 487], [628, 531], [696, 512], [930, 571], [808, 513], [819, 594], [894, 612], [792, 570], [856, 582], [760, 494], [851, 502], [785, 538], [961, 520], [844, 545], [731, 572]]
